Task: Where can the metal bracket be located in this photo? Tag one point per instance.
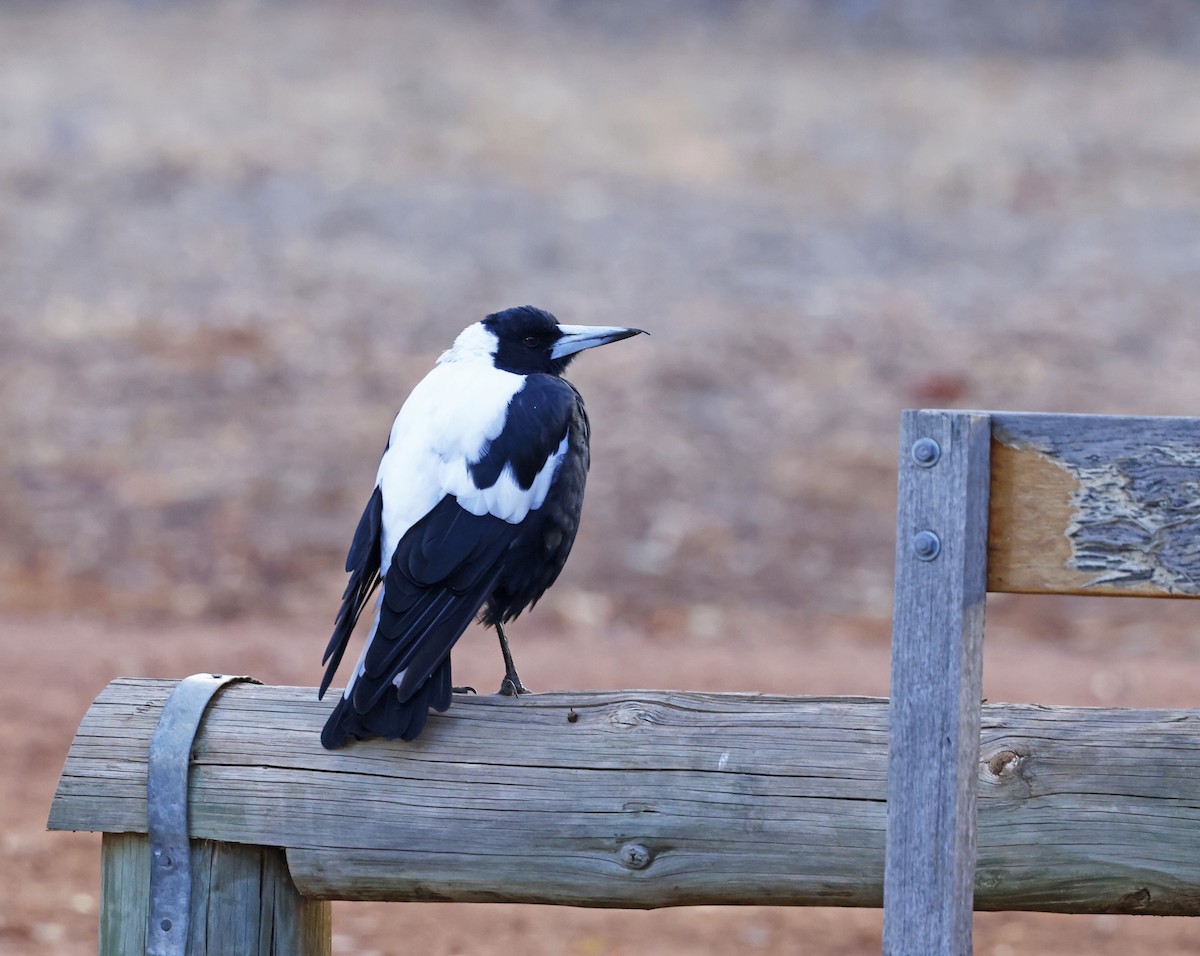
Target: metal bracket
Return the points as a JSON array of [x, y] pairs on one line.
[[167, 811]]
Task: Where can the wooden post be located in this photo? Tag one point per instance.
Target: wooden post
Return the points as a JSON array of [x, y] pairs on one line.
[[243, 901], [937, 654]]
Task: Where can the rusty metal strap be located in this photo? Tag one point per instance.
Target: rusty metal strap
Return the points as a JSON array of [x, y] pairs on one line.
[[167, 811]]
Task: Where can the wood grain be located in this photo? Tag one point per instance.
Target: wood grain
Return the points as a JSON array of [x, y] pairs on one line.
[[1030, 512], [657, 798], [937, 674], [243, 901], [124, 893], [1091, 504]]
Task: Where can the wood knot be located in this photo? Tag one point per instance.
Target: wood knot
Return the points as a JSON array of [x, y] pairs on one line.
[[635, 856], [1139, 899], [630, 715], [1004, 764], [986, 880]]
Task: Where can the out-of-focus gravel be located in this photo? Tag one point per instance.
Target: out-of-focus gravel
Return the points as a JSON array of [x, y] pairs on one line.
[[233, 236]]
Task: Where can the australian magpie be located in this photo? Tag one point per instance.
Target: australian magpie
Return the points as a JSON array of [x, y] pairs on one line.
[[474, 512]]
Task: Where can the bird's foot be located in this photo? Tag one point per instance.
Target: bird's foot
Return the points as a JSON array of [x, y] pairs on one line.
[[463, 690], [511, 686]]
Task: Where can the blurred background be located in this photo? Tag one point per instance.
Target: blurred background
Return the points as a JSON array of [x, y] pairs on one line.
[[233, 235]]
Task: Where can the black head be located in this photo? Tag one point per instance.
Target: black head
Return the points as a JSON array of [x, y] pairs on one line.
[[532, 340]]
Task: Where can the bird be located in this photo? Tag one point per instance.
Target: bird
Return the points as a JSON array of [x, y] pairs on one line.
[[474, 511]]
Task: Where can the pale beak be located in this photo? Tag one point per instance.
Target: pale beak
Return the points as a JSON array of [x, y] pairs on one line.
[[576, 338]]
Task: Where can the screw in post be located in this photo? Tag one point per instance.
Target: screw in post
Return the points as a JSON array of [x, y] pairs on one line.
[[926, 545], [926, 452]]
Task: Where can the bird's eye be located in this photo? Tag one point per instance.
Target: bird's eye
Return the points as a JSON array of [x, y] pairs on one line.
[[532, 341]]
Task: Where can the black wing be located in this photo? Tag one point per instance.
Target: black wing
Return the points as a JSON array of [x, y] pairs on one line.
[[442, 572], [362, 563]]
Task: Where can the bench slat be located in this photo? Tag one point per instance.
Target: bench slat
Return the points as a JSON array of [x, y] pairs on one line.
[[737, 798], [1092, 504]]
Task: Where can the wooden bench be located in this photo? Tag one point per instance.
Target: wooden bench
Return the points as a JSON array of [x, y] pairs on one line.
[[644, 799]]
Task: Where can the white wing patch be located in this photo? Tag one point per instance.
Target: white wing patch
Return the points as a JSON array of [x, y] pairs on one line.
[[506, 499]]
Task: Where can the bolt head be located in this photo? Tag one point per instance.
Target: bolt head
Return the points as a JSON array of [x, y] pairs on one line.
[[926, 545], [926, 452]]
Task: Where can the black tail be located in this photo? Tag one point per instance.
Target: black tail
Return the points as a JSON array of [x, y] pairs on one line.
[[392, 718], [440, 575]]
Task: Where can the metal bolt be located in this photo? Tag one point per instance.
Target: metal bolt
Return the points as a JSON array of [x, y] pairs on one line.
[[926, 452], [166, 925], [926, 545]]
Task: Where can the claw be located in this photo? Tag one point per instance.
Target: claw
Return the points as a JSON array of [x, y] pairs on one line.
[[511, 686]]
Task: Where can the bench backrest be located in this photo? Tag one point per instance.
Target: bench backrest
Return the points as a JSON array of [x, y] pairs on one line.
[[991, 501]]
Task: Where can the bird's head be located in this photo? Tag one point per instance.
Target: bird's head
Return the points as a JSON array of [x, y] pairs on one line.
[[528, 340]]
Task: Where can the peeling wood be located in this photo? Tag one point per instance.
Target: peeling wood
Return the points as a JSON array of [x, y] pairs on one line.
[[1030, 509], [1089, 504], [658, 798]]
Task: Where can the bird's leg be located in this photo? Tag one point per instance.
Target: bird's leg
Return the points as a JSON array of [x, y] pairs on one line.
[[511, 686], [463, 690]]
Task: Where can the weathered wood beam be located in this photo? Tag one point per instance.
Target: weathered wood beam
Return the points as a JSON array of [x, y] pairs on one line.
[[649, 799], [1090, 504], [937, 680]]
